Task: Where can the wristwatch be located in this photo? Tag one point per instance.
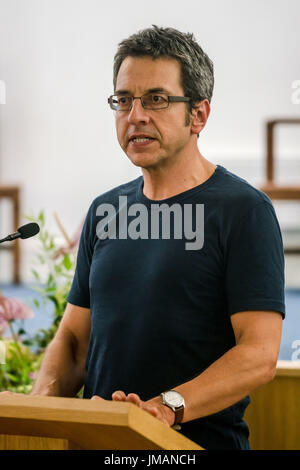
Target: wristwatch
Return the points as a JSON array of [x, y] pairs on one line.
[[175, 401]]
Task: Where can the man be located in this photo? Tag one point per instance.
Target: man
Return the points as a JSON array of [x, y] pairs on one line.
[[151, 312]]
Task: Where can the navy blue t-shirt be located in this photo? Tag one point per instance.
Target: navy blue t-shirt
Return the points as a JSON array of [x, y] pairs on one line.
[[161, 300]]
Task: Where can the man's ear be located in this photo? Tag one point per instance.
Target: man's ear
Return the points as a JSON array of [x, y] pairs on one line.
[[199, 116]]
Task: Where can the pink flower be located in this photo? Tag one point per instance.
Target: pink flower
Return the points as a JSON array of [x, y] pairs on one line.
[[3, 325], [12, 309]]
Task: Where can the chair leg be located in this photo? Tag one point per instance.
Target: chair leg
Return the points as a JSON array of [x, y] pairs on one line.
[[16, 249]]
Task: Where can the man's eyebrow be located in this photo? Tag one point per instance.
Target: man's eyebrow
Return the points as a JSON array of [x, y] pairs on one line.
[[150, 90], [157, 90], [122, 92]]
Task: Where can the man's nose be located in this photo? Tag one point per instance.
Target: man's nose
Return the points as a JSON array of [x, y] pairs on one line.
[[138, 114]]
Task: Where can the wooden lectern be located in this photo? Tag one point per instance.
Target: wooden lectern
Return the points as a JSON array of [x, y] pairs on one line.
[[52, 423], [273, 415]]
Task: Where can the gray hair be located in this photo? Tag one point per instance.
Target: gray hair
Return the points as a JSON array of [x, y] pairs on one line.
[[197, 75]]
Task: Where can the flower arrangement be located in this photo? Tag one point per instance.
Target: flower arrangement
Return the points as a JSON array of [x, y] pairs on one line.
[[24, 353], [19, 364], [12, 309]]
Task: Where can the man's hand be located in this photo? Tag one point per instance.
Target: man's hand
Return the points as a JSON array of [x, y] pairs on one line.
[[153, 406]]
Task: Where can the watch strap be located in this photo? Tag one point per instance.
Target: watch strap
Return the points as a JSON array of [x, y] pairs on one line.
[[179, 415]]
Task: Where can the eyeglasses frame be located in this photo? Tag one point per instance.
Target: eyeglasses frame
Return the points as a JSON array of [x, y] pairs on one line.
[[171, 99]]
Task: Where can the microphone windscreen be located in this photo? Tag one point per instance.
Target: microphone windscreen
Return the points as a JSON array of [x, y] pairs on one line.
[[29, 230]]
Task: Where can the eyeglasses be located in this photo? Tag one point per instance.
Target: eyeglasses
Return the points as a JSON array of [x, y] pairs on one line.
[[149, 101]]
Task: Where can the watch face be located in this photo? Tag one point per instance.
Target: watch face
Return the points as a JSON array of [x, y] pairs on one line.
[[174, 398]]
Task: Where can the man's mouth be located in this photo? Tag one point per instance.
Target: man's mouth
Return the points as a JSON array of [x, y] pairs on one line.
[[141, 139]]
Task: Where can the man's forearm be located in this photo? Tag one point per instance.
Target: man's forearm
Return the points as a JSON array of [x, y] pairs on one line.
[[229, 379], [242, 369], [225, 382], [60, 373]]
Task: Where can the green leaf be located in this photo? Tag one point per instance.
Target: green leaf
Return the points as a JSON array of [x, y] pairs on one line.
[[41, 217], [11, 377], [58, 269], [41, 258], [36, 274], [30, 217], [67, 262]]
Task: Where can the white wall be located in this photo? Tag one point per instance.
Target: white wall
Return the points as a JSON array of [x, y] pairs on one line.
[[57, 137]]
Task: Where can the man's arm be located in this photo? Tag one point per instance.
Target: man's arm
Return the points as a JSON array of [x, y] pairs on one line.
[[63, 368], [248, 365]]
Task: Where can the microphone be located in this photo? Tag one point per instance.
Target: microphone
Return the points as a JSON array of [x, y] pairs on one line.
[[26, 231]]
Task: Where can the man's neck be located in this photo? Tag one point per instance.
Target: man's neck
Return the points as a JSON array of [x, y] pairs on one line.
[[170, 180]]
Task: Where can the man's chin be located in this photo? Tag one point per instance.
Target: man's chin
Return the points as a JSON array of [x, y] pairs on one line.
[[144, 161]]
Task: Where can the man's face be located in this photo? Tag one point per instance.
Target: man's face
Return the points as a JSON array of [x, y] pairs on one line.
[[167, 127]]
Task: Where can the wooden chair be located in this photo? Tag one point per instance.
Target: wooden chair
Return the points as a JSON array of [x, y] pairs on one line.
[[270, 187], [13, 193]]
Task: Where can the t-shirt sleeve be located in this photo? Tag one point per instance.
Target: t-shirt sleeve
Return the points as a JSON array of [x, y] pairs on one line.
[[255, 262], [80, 293]]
